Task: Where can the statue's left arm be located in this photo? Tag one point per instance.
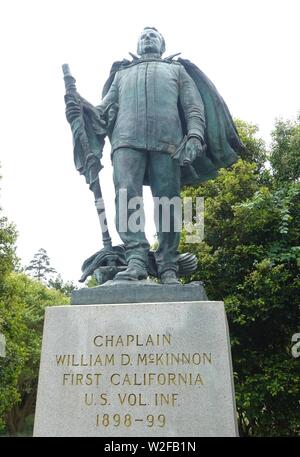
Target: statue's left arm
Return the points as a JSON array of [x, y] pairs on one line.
[[193, 109]]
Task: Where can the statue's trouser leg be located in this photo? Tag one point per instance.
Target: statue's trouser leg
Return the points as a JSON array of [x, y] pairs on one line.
[[129, 169], [164, 177]]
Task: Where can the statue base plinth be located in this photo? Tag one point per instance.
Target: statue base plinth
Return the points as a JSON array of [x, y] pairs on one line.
[[145, 291]]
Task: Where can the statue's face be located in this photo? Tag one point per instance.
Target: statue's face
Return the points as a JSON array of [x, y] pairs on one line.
[[150, 41]]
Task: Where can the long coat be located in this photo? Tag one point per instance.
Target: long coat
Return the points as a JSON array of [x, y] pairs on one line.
[[148, 95]]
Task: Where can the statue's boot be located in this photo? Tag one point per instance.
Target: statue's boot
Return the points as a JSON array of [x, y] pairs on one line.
[[136, 270], [169, 277]]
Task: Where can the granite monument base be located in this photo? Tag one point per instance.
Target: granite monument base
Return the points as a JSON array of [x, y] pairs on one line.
[[140, 369]]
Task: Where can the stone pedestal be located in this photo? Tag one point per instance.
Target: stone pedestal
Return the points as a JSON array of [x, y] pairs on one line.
[[139, 369]]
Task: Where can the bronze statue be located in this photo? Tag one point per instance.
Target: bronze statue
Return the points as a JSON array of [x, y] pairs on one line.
[[168, 127]]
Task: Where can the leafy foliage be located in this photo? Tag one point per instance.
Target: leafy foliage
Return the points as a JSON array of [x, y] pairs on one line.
[[22, 306], [255, 149], [250, 258], [8, 257], [92, 282], [59, 284], [285, 153]]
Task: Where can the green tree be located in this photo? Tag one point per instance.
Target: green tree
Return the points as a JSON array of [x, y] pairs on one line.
[[250, 258], [66, 287], [285, 152], [8, 236], [39, 267], [22, 306], [8, 261], [255, 149]]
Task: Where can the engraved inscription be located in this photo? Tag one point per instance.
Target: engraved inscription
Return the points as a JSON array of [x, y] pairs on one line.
[[133, 380]]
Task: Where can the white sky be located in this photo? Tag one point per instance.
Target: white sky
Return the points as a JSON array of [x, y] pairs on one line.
[[248, 48]]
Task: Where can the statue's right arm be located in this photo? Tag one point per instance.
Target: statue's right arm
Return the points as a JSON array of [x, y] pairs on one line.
[[112, 96], [108, 108]]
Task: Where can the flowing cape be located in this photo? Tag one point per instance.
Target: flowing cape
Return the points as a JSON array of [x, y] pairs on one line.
[[221, 137]]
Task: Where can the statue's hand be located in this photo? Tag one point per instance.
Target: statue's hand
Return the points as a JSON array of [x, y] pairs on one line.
[[194, 148]]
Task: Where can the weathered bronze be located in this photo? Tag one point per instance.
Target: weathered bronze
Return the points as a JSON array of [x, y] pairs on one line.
[[168, 127]]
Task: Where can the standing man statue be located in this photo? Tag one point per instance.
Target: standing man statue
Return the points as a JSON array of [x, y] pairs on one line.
[[168, 127]]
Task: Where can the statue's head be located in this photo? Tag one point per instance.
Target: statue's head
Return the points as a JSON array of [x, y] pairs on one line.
[[151, 41]]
